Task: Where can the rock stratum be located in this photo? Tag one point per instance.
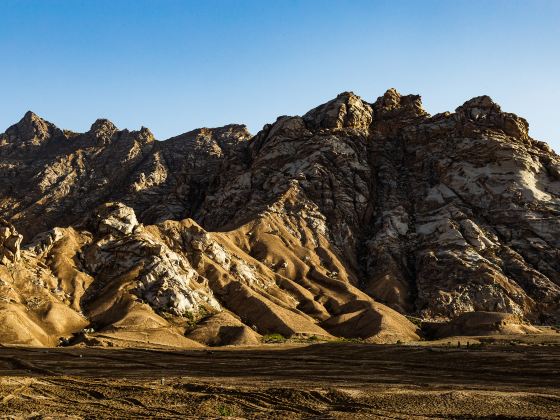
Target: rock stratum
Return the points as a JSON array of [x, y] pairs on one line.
[[347, 222]]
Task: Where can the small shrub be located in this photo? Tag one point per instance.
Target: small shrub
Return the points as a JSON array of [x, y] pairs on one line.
[[416, 321], [273, 338], [225, 410]]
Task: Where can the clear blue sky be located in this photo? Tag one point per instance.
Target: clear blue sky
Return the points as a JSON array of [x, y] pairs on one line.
[[177, 65]]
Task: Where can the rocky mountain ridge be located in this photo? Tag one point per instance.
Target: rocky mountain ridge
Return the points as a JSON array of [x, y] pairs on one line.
[[334, 224]]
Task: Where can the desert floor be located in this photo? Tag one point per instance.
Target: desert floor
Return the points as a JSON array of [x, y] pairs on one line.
[[503, 379]]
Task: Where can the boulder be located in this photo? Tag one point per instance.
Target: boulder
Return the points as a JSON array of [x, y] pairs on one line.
[[10, 242]]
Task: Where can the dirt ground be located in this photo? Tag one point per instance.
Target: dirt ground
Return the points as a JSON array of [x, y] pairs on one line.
[[318, 381]]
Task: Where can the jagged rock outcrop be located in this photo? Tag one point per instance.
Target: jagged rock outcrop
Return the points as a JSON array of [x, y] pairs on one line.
[[336, 223], [10, 241], [122, 250], [346, 111]]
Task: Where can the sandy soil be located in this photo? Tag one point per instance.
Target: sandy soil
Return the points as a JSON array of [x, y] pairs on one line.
[[335, 380]]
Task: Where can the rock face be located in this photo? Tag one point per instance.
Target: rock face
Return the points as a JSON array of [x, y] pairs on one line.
[[10, 242], [337, 223]]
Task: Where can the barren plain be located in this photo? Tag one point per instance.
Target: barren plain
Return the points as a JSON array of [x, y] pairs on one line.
[[500, 378]]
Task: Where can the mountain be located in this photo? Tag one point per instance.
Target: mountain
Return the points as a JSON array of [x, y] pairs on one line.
[[350, 221]]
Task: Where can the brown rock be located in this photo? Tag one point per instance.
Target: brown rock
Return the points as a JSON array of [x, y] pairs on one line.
[[10, 241]]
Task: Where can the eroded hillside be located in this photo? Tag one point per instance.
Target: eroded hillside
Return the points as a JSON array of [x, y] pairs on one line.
[[335, 224]]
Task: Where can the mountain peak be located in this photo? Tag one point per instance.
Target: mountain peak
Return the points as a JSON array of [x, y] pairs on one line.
[[30, 116], [103, 124], [486, 112], [31, 128], [103, 128], [484, 102], [393, 104], [347, 110]]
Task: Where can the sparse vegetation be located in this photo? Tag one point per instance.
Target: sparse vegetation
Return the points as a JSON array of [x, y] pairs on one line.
[[349, 340], [273, 338], [416, 321], [225, 410]]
